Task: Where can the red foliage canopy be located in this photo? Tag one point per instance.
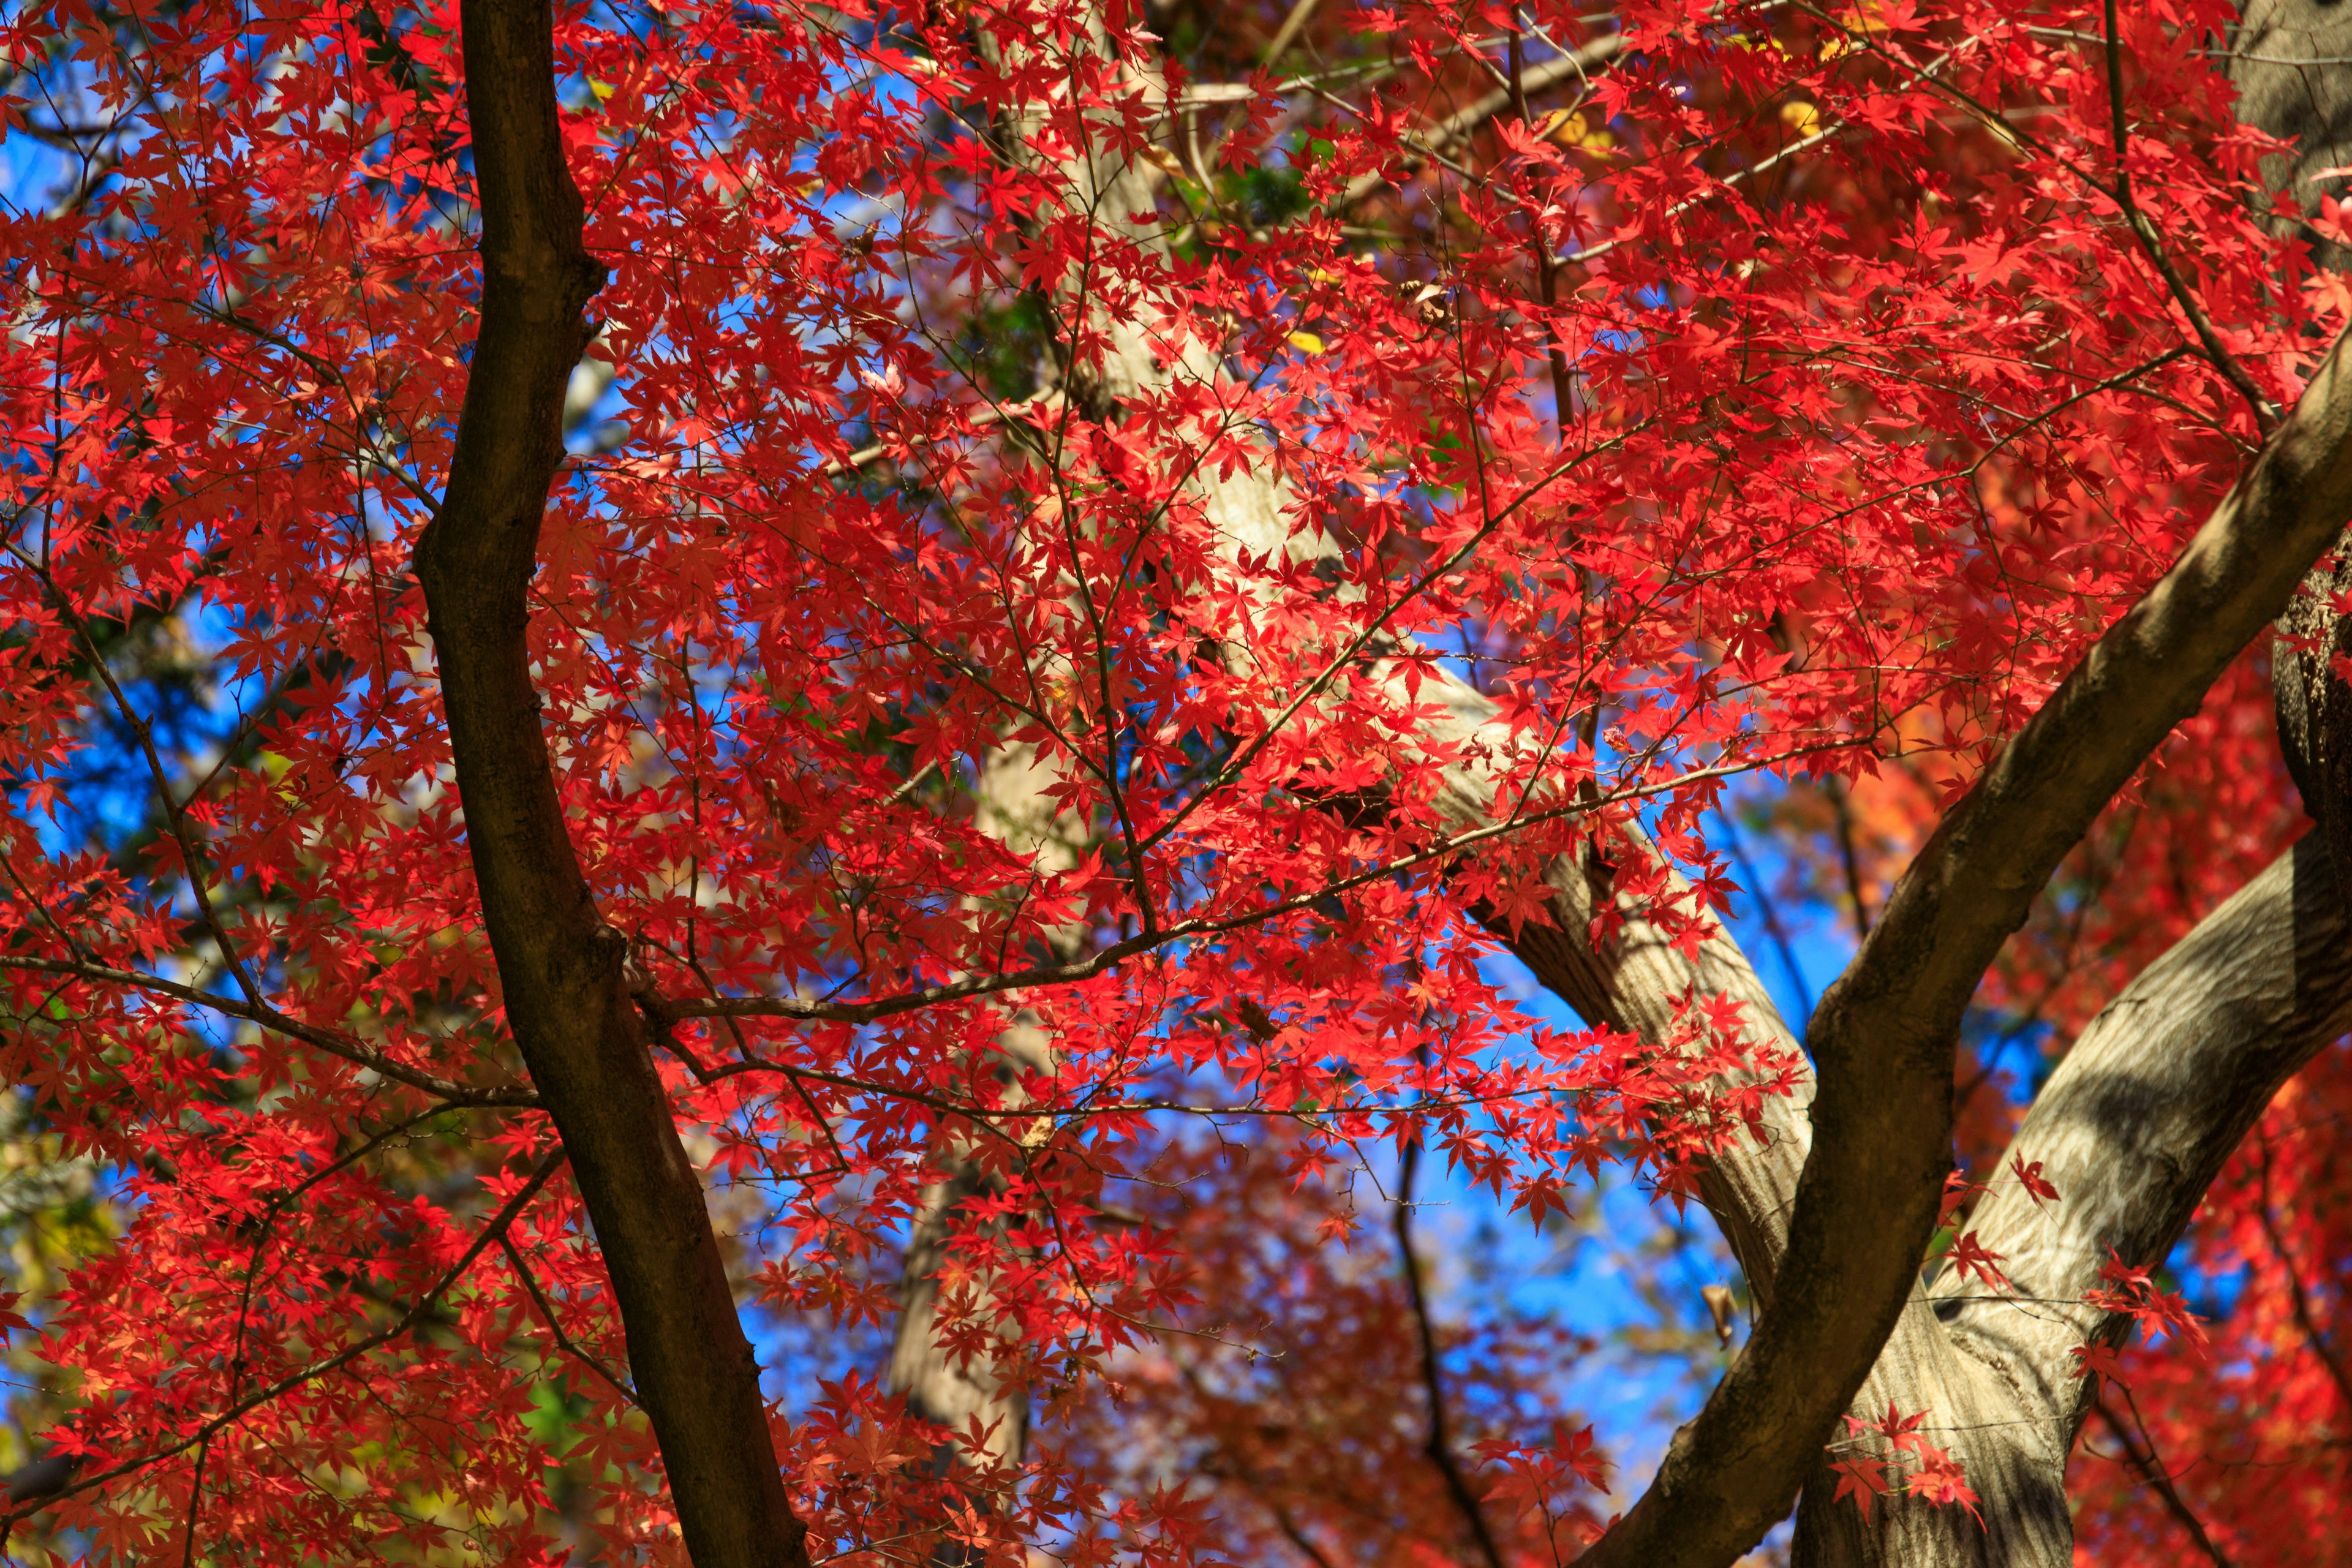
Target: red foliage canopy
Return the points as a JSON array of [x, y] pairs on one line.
[[982, 407]]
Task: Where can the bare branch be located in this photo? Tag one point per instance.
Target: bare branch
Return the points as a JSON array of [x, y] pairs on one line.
[[1440, 1446], [357, 1052]]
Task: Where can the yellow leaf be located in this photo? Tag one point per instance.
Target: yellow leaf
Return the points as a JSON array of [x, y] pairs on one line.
[[603, 89], [1801, 118], [1569, 128], [1306, 342]]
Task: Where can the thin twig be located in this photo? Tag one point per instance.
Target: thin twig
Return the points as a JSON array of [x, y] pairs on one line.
[[1287, 33], [1440, 1447], [1765, 907], [275, 1022], [2266, 415], [554, 1326], [2151, 1471], [1110, 956], [1841, 814], [423, 1307], [2298, 1298]]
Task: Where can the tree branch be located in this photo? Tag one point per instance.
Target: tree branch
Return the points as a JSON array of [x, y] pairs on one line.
[[563, 1342], [1869, 1191], [2137, 1120], [1884, 1037], [358, 1053], [1440, 1446], [239, 1409], [2298, 1298], [2152, 1472], [560, 965]]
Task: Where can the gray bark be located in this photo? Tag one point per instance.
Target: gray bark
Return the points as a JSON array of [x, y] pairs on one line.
[[1885, 1036], [1012, 806], [2131, 1130], [2135, 1123], [2292, 60]]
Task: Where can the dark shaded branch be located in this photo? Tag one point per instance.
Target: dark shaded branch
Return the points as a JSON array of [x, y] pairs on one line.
[[2142, 1114], [2146, 1463], [2298, 1298], [1297, 1537], [1884, 1037], [357, 1052], [1440, 1447], [1841, 814], [2291, 84], [560, 965]]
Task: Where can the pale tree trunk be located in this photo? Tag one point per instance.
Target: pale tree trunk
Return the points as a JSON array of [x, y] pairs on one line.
[[1011, 806], [986, 1410], [2233, 1009], [2222, 1021], [2131, 1130], [2137, 1120]]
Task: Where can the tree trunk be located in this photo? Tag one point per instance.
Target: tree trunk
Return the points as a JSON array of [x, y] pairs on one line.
[[1011, 806], [2288, 60], [560, 965], [1853, 1227], [2137, 1120]]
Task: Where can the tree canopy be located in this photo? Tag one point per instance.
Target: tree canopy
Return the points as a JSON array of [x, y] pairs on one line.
[[777, 776]]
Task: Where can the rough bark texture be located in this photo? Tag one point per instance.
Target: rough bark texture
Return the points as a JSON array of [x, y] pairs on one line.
[[560, 967], [1882, 1039], [1831, 1212], [2136, 1122], [1010, 804], [2288, 62], [2286, 59], [2149, 1102], [2131, 1130]]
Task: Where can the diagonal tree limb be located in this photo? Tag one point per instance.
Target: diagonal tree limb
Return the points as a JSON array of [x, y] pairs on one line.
[[2195, 1047], [1884, 1039], [2140, 1116], [560, 965], [359, 1053], [2130, 1128], [1837, 1267], [2144, 1459], [1642, 984]]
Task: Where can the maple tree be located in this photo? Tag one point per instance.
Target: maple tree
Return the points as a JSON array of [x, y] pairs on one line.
[[672, 667]]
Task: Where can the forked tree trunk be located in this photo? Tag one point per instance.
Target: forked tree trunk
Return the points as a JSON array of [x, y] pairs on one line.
[[2139, 1119], [2132, 1127]]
